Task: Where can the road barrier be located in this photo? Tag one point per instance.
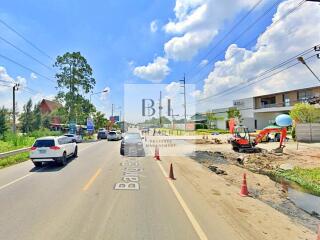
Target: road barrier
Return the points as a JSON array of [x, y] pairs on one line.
[[14, 152]]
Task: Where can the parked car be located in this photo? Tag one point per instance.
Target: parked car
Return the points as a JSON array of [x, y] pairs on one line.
[[53, 149], [102, 133], [131, 145], [74, 138], [114, 135]]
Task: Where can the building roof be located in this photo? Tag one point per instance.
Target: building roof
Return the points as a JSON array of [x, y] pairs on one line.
[[287, 91], [51, 104]]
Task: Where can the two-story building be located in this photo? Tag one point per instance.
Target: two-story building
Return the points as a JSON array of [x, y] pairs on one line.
[[260, 111]]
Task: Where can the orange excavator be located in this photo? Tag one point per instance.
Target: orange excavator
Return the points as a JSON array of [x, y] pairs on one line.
[[241, 140]]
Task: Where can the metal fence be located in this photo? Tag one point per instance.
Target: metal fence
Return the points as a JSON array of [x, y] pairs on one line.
[[14, 152]]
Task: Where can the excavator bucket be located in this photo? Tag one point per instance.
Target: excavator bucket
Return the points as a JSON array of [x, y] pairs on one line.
[[278, 150]]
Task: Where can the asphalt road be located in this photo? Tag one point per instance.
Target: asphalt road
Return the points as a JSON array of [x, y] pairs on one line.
[[87, 199]]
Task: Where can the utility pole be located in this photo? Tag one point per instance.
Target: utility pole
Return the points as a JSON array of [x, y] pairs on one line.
[[160, 109], [183, 82], [14, 89], [112, 110]]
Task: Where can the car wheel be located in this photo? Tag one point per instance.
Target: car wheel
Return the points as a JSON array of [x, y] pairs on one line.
[[37, 164], [75, 154], [121, 152], [63, 160]]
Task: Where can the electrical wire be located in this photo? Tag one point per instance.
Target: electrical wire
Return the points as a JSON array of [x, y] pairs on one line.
[[251, 82], [27, 68], [25, 39], [252, 40], [25, 53]]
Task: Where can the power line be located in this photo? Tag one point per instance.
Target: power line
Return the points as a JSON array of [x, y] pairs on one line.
[[251, 82], [25, 39], [274, 68], [254, 39], [232, 29], [25, 53], [27, 68]]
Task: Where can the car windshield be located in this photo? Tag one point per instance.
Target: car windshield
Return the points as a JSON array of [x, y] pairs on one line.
[[44, 143], [112, 133], [69, 135], [132, 136]]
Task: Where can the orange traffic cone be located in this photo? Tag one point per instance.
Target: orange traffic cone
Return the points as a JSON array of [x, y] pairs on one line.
[[171, 175], [156, 153], [244, 189], [318, 238]]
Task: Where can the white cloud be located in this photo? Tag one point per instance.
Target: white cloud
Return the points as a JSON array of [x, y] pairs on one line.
[[154, 26], [4, 77], [203, 63], [197, 23], [154, 72], [33, 76], [278, 43]]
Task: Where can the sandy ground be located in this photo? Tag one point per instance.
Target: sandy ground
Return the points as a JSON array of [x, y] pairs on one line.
[[271, 195], [247, 214]]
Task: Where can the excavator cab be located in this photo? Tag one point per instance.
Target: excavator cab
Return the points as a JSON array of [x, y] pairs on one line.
[[241, 141]]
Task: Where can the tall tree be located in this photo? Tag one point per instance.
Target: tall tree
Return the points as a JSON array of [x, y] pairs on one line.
[[26, 117], [37, 118], [74, 77], [3, 121]]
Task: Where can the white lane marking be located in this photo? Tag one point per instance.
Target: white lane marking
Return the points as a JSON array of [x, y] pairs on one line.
[[185, 207], [29, 174]]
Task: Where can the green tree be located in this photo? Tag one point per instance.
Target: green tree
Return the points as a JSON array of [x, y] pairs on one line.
[[211, 116], [74, 77], [100, 120], [305, 113], [234, 112], [3, 121], [26, 117], [37, 118], [46, 120]]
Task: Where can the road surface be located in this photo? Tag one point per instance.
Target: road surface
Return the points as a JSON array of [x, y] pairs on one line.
[[87, 199]]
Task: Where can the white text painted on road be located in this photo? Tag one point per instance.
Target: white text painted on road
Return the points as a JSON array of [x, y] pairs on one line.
[[130, 178]]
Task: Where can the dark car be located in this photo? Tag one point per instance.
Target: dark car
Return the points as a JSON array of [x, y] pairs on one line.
[[102, 133], [131, 145]]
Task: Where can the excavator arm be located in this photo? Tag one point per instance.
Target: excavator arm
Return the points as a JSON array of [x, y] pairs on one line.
[[283, 135]]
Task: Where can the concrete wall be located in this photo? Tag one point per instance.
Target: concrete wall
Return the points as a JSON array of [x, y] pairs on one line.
[[308, 132]]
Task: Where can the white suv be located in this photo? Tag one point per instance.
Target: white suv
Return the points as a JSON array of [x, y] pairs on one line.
[[57, 149]]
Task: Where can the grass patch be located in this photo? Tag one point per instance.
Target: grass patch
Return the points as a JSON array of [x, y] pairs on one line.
[[8, 161], [308, 179]]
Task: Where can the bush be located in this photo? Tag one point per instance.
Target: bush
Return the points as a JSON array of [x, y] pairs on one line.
[[43, 132]]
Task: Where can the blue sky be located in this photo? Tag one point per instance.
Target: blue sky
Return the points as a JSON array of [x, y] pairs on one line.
[[116, 38]]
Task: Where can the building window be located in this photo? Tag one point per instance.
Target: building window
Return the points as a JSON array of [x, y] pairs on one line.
[[286, 100], [268, 102], [304, 95]]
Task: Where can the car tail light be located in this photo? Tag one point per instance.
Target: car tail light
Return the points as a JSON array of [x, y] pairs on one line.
[[33, 148], [55, 148]]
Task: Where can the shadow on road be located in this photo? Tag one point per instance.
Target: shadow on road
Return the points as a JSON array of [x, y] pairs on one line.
[[50, 166]]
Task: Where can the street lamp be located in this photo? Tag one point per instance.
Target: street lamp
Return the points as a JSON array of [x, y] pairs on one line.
[[104, 91], [300, 59]]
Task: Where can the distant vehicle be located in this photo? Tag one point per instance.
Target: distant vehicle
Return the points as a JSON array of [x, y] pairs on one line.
[[102, 133], [114, 135], [131, 145], [74, 138], [53, 149], [145, 130]]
